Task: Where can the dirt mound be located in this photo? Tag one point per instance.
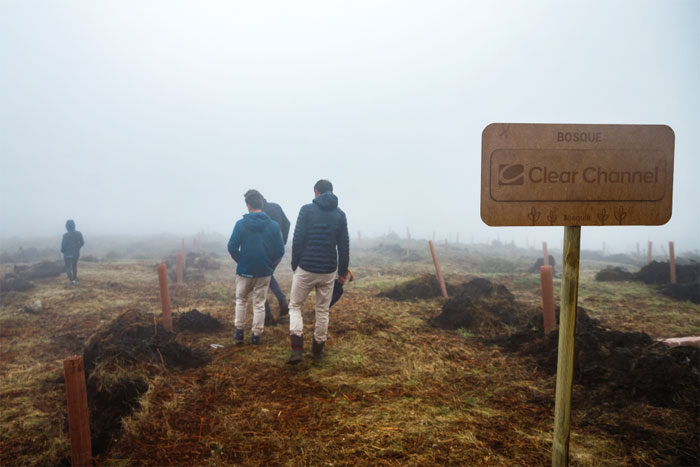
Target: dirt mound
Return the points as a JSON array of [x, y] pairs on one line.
[[480, 305], [659, 273], [14, 283], [119, 358], [613, 274], [618, 366], [423, 287], [540, 262], [689, 291], [195, 321], [44, 269]]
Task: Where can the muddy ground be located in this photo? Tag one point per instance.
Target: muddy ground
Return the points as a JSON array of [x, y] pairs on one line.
[[408, 378]]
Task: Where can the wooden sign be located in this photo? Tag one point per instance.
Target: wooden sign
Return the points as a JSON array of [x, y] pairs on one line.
[[557, 174]]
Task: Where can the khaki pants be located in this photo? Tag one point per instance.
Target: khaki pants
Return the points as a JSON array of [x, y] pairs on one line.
[[257, 287], [303, 282]]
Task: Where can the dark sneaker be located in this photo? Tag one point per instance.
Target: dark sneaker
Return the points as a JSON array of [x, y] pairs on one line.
[[238, 337], [255, 339], [74, 283]]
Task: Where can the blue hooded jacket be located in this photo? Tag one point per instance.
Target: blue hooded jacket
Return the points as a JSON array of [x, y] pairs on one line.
[[256, 245], [321, 242], [72, 241]]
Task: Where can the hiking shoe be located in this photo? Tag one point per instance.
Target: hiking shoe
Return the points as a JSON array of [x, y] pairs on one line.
[[297, 343], [74, 283], [238, 337], [255, 339]]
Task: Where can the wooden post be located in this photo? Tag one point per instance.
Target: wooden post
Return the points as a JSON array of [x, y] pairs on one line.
[[78, 415], [565, 358], [165, 297], [441, 280], [550, 323], [672, 261], [545, 253], [180, 268], [649, 252], [447, 249]]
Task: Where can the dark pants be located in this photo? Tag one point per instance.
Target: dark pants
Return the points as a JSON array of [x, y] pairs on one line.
[[279, 295], [71, 268]]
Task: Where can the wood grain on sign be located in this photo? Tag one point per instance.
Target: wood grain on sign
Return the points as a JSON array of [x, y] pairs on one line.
[[559, 174]]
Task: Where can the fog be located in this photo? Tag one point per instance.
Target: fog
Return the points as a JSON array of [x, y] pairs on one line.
[[141, 118]]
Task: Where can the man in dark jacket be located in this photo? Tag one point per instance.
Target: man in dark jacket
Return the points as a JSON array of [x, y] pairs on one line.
[[70, 247], [256, 245], [320, 252], [276, 213]]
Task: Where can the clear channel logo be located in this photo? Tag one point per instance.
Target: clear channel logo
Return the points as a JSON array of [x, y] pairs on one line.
[[511, 174]]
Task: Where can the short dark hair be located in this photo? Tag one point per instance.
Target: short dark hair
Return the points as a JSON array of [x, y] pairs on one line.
[[251, 192], [323, 186], [254, 199]]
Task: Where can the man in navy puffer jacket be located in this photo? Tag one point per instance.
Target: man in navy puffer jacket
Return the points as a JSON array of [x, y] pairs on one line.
[[256, 245], [320, 251]]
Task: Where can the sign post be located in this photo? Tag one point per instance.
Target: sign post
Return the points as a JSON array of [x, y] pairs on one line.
[[574, 175]]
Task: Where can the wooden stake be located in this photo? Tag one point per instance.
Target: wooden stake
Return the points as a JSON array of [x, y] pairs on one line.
[[78, 415], [545, 253], [441, 280], [165, 297], [672, 261], [550, 323], [408, 245], [649, 252], [180, 268], [565, 358]]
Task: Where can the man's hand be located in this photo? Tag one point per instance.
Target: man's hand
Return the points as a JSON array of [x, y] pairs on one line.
[[342, 279]]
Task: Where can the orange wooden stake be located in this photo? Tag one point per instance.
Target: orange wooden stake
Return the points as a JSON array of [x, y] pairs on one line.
[[165, 297], [672, 261], [545, 253], [78, 415], [550, 323], [437, 270], [180, 267]]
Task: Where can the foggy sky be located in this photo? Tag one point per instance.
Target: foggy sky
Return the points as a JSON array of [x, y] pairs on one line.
[[148, 117]]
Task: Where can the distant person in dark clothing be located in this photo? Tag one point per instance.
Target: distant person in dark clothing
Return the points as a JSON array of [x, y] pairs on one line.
[[70, 247], [320, 253], [276, 213], [256, 245]]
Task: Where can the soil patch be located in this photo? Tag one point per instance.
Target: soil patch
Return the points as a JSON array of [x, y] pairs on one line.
[[423, 287], [195, 321], [44, 269], [480, 305], [540, 262], [660, 273], [613, 274], [618, 366], [688, 291], [14, 283], [119, 358]]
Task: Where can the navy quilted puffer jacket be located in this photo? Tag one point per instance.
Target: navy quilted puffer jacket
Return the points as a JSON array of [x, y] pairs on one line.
[[321, 243]]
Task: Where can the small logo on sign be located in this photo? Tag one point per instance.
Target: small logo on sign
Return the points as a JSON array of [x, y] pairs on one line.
[[511, 174]]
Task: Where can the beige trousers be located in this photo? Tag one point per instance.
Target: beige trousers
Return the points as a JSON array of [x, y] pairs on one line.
[[303, 282], [257, 288]]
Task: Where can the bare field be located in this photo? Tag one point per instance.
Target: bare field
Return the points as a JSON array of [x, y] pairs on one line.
[[392, 389]]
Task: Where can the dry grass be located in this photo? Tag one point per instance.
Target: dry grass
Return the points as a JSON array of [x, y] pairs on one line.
[[391, 390]]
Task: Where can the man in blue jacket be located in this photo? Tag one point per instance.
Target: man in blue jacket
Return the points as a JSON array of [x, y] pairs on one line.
[[276, 213], [70, 247], [256, 245], [320, 252]]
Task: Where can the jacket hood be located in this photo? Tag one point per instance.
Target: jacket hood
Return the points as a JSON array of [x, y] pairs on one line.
[[255, 220], [327, 201], [70, 225]]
